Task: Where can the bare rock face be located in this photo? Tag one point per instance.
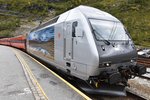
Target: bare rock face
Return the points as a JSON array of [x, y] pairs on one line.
[[26, 27]]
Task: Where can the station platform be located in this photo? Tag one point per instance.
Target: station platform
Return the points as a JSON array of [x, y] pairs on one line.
[[23, 78]]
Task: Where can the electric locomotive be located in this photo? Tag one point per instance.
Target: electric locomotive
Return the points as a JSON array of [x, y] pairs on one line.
[[87, 43]]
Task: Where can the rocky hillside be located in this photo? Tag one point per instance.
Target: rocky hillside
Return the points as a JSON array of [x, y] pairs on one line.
[[22, 15]]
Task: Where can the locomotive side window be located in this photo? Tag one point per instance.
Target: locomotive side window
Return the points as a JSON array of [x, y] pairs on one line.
[[77, 29], [74, 25], [52, 21]]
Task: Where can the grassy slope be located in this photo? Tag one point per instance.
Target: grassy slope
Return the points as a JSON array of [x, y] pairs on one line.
[[135, 14]]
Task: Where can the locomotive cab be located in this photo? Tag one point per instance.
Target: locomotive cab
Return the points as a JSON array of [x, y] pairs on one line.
[[117, 54], [111, 54], [116, 50]]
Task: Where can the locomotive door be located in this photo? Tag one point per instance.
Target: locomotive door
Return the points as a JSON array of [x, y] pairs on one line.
[[68, 43]]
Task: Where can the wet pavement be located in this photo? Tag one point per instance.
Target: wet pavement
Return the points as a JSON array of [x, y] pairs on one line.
[[16, 84]]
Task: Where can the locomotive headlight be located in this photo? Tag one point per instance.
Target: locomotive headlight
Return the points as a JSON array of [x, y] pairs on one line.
[[107, 64]]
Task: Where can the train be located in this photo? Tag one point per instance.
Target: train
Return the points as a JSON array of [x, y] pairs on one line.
[[18, 42], [85, 43]]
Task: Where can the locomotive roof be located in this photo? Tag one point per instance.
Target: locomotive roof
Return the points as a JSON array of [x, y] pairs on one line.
[[88, 12], [91, 12]]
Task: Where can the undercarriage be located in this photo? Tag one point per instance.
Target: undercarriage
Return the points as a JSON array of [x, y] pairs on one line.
[[117, 77]]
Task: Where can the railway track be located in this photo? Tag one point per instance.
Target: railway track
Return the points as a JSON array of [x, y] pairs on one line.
[[144, 61], [145, 77], [140, 86]]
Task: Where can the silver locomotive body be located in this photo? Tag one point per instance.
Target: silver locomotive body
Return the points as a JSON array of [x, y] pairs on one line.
[[86, 43]]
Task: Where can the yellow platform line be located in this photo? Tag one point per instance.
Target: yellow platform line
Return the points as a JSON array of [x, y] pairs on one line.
[[70, 85], [23, 63]]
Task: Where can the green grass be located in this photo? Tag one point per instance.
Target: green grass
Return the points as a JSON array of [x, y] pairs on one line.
[[135, 14], [8, 25]]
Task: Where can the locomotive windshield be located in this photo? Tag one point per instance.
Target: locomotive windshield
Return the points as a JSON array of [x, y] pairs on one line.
[[108, 30]]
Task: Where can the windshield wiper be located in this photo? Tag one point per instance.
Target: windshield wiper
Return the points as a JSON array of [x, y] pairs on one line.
[[127, 33], [103, 39]]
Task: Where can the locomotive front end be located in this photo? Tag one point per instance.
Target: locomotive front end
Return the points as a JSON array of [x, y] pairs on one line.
[[117, 53]]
